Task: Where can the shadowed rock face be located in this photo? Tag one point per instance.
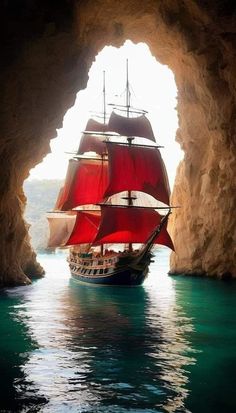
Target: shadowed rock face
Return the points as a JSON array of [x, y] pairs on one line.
[[47, 51]]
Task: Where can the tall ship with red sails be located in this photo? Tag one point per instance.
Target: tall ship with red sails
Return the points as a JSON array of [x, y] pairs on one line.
[[114, 205]]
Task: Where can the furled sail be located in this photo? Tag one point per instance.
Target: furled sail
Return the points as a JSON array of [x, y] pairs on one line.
[[130, 225], [85, 183], [60, 226], [138, 169], [85, 228], [138, 126]]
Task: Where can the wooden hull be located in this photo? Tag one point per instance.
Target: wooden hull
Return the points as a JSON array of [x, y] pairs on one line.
[[123, 276], [112, 269]]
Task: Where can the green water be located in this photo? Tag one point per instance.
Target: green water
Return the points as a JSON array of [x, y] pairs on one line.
[[168, 346]]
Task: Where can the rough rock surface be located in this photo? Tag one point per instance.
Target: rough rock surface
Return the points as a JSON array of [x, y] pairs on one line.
[[46, 53]]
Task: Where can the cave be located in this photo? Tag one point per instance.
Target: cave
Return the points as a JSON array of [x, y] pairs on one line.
[[47, 50]]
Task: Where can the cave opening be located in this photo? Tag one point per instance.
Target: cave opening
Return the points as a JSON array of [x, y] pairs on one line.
[[153, 89], [46, 60]]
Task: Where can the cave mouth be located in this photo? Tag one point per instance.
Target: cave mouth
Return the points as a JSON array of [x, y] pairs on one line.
[[153, 89], [47, 57]]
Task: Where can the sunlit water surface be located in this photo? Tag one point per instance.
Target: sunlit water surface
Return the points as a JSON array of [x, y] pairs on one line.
[[168, 346]]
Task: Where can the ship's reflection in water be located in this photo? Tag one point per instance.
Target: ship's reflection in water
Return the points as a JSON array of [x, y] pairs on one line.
[[101, 349]]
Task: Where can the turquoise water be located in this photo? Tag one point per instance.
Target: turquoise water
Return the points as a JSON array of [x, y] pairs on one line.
[[168, 346]]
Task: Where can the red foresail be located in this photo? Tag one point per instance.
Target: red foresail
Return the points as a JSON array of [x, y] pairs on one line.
[[138, 169], [92, 143], [130, 225], [85, 183], [85, 228], [138, 126], [164, 238]]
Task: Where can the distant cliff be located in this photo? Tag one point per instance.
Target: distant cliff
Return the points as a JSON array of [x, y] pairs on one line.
[[41, 197]]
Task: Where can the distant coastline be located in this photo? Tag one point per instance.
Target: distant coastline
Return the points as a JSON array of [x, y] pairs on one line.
[[41, 195]]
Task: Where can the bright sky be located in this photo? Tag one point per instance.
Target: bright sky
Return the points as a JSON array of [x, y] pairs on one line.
[[153, 88]]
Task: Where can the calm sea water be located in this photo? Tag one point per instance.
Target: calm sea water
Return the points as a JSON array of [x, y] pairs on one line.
[[169, 346]]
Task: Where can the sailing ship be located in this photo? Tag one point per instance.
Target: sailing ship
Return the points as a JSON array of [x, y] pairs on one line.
[[109, 213]]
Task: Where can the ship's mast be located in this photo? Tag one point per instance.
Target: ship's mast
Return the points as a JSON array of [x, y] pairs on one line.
[[104, 97], [104, 120], [127, 88], [129, 139]]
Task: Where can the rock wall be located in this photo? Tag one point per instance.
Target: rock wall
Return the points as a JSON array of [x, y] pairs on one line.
[[43, 69], [47, 51]]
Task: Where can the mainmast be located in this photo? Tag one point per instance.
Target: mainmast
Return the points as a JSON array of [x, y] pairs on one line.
[[104, 120], [129, 139]]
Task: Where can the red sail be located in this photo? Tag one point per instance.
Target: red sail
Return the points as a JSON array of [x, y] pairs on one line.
[[138, 169], [138, 126], [92, 143], [85, 183], [86, 227], [130, 225], [164, 238]]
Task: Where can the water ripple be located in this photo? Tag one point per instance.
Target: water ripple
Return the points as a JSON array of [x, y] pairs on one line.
[[68, 347]]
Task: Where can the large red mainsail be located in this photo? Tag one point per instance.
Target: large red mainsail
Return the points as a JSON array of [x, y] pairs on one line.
[[85, 183], [138, 126], [138, 169], [85, 228], [130, 225]]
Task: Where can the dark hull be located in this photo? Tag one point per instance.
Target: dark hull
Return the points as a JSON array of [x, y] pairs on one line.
[[123, 277]]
